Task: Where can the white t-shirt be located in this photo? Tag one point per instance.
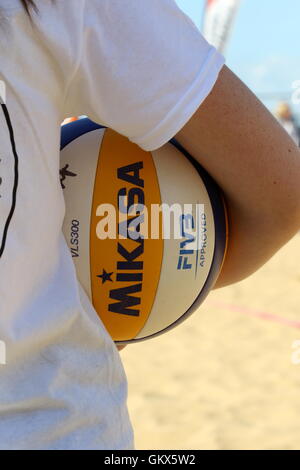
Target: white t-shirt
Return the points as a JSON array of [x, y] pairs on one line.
[[141, 68]]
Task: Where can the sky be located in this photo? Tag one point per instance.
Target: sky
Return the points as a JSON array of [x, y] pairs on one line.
[[264, 46]]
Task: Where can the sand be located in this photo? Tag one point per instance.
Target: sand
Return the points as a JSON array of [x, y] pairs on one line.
[[225, 378]]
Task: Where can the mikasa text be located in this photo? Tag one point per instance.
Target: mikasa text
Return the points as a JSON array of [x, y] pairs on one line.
[[128, 264], [133, 224]]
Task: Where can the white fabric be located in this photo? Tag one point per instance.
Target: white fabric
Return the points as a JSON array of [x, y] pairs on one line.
[[141, 68]]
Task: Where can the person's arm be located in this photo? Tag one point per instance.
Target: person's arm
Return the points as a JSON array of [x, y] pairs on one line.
[[256, 164]]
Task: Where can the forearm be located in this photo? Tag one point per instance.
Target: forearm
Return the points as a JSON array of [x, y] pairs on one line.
[[258, 167]]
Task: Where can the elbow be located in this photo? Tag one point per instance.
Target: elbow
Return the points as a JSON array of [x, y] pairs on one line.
[[254, 238]]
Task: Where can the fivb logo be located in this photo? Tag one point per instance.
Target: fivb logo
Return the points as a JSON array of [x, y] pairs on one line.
[[2, 92], [2, 353]]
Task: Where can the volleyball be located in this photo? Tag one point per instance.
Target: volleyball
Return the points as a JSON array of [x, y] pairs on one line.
[[147, 231]]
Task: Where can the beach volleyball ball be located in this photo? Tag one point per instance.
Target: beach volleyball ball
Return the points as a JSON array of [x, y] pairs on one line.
[[147, 231]]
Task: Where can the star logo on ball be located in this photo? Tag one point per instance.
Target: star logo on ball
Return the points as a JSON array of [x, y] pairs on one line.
[[105, 276]]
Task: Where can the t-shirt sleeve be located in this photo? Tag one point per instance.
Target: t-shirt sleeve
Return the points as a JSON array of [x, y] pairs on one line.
[[143, 69]]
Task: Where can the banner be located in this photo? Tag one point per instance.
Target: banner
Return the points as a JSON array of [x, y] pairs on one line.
[[218, 21]]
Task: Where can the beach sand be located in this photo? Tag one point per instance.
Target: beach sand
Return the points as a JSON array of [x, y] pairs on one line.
[[224, 379]]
